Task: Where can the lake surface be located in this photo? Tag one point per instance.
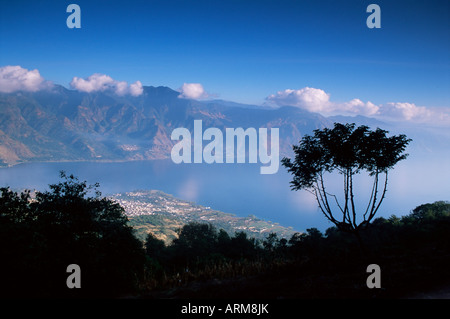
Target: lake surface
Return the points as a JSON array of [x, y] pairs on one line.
[[233, 188]]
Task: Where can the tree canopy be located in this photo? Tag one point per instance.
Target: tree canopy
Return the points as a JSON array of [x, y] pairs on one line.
[[347, 150], [41, 235]]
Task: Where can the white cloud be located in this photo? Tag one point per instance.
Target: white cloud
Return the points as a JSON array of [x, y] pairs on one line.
[[317, 100], [96, 82], [121, 88], [136, 88], [406, 111], [358, 107], [193, 91], [101, 82], [413, 113], [311, 99], [15, 78]]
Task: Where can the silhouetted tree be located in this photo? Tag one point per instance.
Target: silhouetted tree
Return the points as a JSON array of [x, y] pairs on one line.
[[223, 242], [154, 247], [195, 241], [271, 242], [41, 236], [242, 246], [431, 210], [348, 151]]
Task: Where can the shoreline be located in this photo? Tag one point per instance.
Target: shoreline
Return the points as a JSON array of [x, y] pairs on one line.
[[84, 161]]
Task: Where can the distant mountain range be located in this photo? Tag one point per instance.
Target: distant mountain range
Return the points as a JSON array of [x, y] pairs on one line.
[[68, 125]]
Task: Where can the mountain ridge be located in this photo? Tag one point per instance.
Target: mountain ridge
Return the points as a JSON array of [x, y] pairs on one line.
[[64, 125], [59, 124]]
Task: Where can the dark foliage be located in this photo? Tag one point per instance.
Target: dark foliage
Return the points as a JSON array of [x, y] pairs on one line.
[[71, 224], [41, 236], [413, 252], [200, 245]]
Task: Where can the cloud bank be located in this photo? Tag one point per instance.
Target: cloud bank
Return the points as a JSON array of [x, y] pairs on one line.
[[317, 100], [101, 82], [310, 99], [192, 91], [15, 78]]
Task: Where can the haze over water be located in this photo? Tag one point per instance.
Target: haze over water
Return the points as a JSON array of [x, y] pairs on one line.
[[240, 188]]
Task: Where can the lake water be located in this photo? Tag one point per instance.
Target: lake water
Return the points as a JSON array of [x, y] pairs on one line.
[[234, 188]]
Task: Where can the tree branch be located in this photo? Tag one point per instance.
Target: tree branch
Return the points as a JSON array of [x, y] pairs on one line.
[[381, 199], [373, 196], [352, 202], [322, 205], [346, 212], [324, 193]]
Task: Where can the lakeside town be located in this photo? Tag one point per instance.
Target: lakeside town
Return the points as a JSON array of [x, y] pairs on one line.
[[156, 211]]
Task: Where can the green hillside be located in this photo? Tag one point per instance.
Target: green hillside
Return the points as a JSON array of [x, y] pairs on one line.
[[162, 214]]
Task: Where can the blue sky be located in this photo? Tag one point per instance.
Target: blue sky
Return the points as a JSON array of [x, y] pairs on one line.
[[241, 50]]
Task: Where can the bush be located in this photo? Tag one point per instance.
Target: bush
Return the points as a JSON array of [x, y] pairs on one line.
[[41, 236]]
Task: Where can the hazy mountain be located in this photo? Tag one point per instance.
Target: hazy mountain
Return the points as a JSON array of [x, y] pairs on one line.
[[234, 104], [68, 125]]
